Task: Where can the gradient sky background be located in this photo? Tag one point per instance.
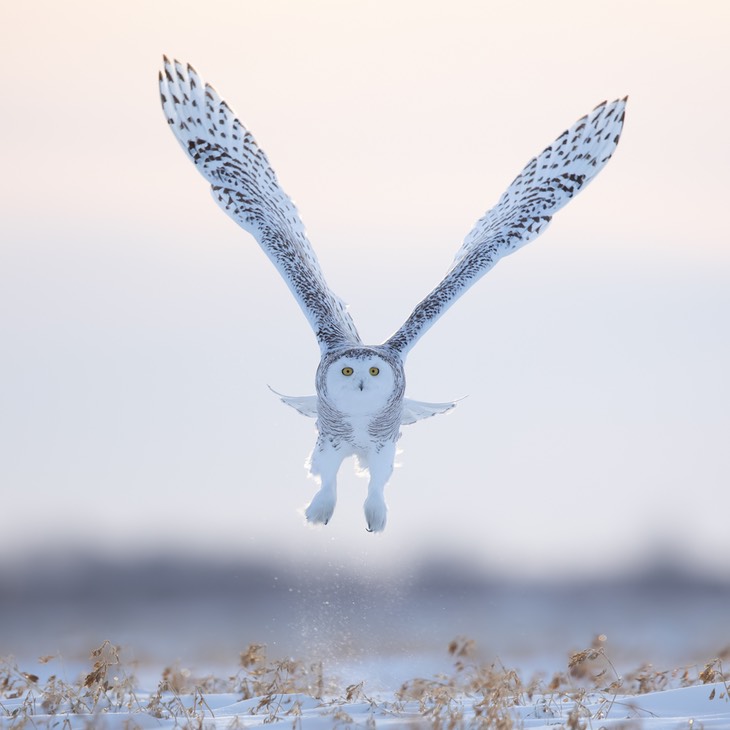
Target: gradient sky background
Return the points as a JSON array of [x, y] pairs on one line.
[[140, 327]]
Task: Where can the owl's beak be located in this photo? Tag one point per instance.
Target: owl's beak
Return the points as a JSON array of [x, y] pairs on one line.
[[361, 385]]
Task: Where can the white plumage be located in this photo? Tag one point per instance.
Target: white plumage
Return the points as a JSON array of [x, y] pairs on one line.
[[360, 401]]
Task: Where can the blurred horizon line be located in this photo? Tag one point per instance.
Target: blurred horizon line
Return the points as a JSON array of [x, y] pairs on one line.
[[69, 571]]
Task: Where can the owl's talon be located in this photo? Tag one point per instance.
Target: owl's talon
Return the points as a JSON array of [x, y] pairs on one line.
[[321, 507], [376, 514]]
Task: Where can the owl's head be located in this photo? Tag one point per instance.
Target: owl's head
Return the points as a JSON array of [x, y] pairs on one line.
[[360, 381]]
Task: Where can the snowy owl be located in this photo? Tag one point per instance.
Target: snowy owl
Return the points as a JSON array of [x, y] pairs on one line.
[[360, 402]]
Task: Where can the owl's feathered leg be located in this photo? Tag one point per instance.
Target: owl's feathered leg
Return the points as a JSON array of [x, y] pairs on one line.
[[380, 466], [325, 463]]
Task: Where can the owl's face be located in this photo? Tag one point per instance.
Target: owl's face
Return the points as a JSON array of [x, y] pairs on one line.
[[359, 382]]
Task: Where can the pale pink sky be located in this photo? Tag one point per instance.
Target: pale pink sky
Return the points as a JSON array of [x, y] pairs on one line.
[[140, 327]]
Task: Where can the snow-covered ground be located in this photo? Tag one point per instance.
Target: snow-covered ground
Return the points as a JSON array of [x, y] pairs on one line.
[[211, 645], [287, 693], [704, 706]]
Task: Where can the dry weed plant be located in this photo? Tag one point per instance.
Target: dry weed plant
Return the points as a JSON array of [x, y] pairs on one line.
[[105, 688], [473, 695], [259, 677]]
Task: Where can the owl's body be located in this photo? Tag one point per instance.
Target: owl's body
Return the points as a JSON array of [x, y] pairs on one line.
[[360, 402], [359, 410]]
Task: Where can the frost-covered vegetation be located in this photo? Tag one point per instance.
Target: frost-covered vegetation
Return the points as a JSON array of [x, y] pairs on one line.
[[589, 693]]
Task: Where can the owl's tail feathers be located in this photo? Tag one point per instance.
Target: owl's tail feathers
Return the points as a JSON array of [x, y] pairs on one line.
[[416, 410]]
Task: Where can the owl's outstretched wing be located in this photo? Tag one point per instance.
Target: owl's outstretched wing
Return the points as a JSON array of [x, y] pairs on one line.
[[245, 187], [523, 212]]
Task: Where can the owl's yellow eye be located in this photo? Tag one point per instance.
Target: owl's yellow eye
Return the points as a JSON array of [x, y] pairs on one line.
[[374, 371], [347, 371]]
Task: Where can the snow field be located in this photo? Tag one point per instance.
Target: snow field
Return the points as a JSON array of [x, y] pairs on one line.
[[287, 693]]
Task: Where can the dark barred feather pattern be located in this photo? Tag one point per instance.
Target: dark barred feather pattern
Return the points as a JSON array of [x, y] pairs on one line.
[[246, 188], [523, 212]]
